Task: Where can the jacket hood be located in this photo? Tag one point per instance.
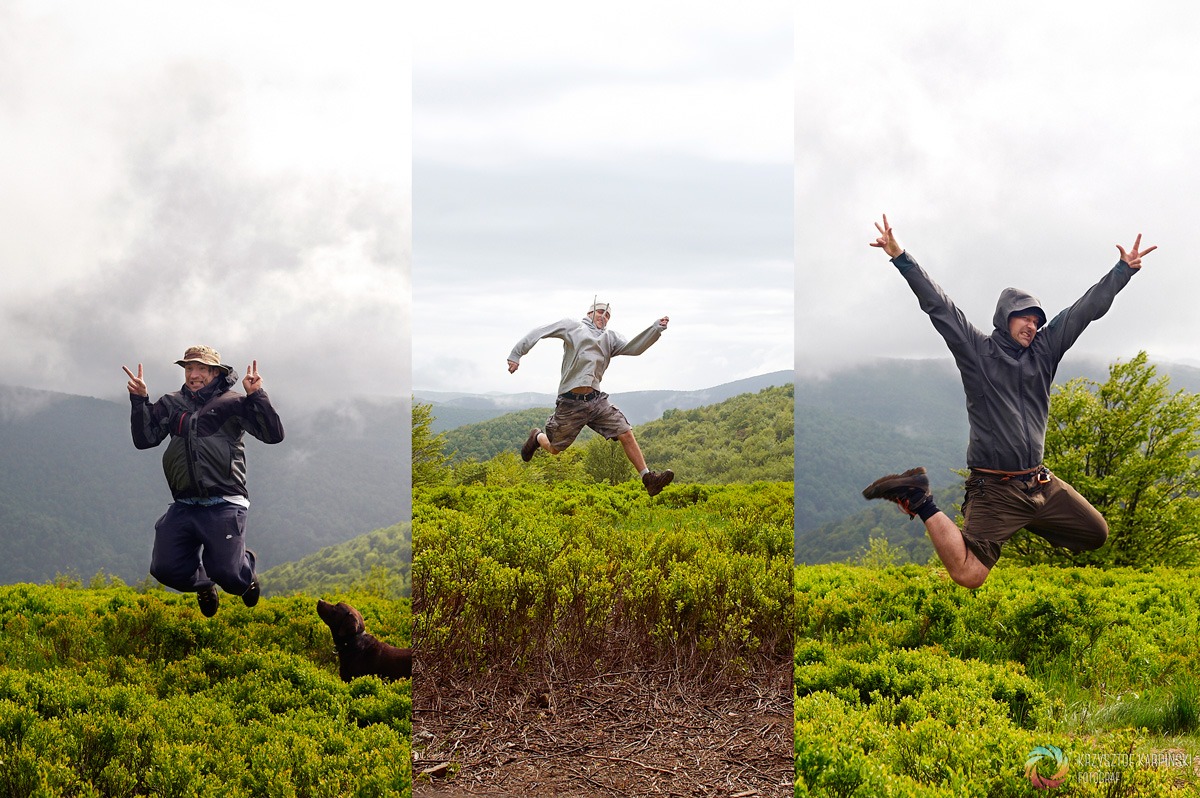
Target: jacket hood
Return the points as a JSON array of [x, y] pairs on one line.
[[1013, 300]]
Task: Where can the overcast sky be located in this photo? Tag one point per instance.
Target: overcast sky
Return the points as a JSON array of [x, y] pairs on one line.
[[1011, 144], [638, 152], [224, 173]]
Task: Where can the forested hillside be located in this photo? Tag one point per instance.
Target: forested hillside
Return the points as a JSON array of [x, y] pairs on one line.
[[452, 410], [746, 438], [487, 439], [378, 563], [76, 497], [881, 418]]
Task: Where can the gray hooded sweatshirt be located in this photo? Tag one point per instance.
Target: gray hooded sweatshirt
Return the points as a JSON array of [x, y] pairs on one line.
[[1007, 385], [586, 349]]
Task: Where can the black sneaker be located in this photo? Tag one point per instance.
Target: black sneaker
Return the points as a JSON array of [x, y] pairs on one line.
[[655, 481], [208, 600], [909, 490], [250, 597], [531, 445]]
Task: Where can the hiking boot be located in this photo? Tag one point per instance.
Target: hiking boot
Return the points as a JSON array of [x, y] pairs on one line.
[[208, 600], [909, 490], [655, 481], [531, 445]]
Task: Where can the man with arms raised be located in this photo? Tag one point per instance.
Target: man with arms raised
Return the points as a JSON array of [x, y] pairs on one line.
[[1007, 376]]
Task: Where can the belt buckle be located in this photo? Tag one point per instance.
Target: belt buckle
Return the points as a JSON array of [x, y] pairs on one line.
[[1043, 476]]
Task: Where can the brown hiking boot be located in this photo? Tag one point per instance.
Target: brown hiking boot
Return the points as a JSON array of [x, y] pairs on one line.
[[655, 481], [909, 490], [531, 445]]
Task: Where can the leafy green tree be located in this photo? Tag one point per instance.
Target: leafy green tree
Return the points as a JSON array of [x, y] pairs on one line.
[[879, 554], [605, 461], [429, 459], [506, 470], [470, 472], [1129, 446], [566, 466]]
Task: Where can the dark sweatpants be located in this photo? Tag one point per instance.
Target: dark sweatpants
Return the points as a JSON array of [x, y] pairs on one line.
[[996, 509], [196, 545]]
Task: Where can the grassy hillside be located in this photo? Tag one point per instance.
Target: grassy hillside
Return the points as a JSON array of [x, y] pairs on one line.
[[378, 563], [909, 685], [110, 692], [76, 497]]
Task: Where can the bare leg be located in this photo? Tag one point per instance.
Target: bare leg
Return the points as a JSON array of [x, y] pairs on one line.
[[544, 442], [961, 563], [632, 450]]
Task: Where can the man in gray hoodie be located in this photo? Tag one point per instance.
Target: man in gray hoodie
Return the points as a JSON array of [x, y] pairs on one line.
[[1007, 377], [588, 346]]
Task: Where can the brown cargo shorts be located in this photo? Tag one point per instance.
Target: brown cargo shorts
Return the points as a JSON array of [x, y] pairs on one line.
[[572, 415], [995, 509]]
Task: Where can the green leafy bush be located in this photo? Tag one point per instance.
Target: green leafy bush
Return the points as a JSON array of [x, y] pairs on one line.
[[107, 692], [572, 573]]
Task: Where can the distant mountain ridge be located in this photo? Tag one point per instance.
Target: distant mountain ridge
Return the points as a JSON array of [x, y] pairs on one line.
[[453, 409]]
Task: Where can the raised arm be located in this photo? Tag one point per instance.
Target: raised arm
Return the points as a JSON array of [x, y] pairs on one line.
[[148, 422], [1065, 328], [643, 340], [259, 417]]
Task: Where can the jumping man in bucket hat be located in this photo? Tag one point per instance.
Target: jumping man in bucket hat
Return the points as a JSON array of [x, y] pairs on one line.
[[199, 543]]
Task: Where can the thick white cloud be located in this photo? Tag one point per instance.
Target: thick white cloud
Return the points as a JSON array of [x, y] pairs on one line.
[[232, 174], [641, 151], [1013, 145]]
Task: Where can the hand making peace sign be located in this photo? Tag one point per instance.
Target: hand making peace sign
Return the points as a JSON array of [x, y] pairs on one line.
[[252, 382], [136, 385]]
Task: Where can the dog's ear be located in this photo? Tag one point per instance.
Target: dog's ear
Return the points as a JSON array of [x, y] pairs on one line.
[[351, 621], [354, 623]]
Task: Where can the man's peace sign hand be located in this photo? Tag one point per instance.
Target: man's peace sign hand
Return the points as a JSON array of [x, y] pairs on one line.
[[252, 382], [136, 385], [1134, 256]]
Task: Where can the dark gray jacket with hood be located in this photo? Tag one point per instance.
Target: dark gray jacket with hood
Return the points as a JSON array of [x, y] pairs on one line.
[[206, 457], [1008, 385]]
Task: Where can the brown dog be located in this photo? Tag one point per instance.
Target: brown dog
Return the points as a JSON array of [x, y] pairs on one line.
[[359, 653]]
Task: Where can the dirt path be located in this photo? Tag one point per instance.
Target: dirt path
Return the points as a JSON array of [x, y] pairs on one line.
[[632, 733]]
